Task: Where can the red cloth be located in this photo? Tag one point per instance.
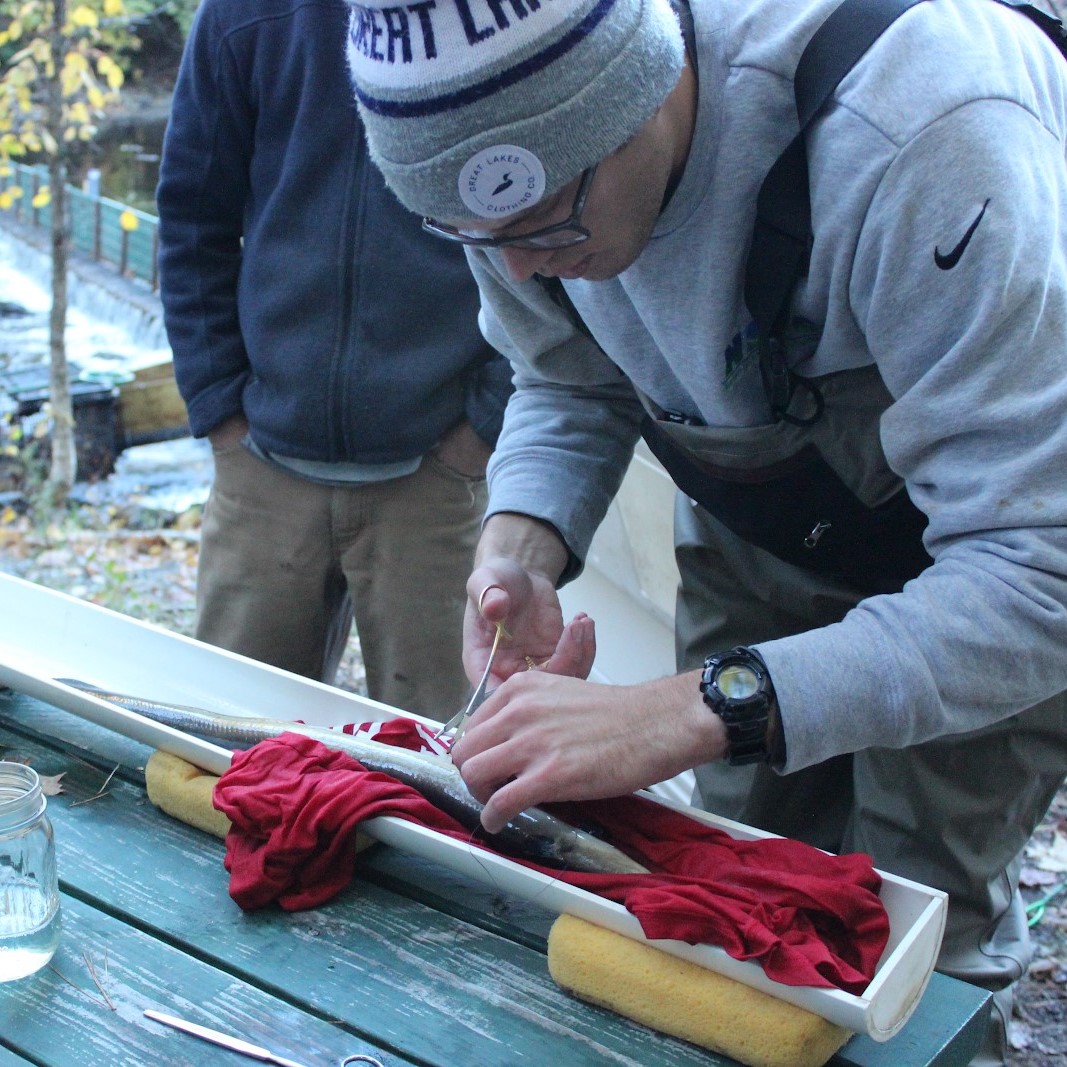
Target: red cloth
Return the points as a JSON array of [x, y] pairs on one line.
[[806, 917]]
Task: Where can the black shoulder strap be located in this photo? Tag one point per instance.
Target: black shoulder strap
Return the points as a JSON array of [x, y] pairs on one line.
[[781, 237]]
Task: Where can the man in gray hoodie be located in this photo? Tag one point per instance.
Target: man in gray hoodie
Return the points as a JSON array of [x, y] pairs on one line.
[[872, 533]]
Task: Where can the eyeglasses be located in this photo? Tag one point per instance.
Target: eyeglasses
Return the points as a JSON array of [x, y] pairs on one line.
[[563, 234]]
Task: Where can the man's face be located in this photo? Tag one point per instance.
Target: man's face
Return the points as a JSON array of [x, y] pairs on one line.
[[620, 212], [615, 204]]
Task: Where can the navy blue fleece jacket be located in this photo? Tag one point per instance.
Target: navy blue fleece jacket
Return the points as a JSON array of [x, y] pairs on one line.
[[295, 287]]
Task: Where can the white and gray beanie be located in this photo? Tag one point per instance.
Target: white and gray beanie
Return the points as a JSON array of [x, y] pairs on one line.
[[479, 108]]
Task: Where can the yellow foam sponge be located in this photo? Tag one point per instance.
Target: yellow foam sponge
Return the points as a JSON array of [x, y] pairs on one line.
[[686, 1000], [184, 792]]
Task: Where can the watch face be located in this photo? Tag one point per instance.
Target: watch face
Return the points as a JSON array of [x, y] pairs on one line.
[[737, 681]]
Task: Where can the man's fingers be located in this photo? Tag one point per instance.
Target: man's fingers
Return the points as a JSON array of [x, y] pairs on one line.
[[576, 650], [488, 589], [505, 804]]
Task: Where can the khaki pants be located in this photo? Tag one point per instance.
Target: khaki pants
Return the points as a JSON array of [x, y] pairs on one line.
[[953, 813], [286, 564]]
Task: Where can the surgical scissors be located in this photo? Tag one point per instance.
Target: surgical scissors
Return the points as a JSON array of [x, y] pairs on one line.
[[452, 730]]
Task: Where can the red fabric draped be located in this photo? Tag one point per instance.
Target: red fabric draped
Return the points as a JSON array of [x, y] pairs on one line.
[[806, 917]]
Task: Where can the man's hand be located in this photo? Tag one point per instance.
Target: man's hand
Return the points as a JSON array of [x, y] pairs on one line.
[[500, 591], [544, 733], [230, 432], [541, 737], [464, 451]]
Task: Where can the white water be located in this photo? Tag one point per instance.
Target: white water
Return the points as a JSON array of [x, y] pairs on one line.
[[104, 331]]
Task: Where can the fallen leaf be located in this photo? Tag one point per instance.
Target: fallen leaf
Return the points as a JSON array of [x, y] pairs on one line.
[[1032, 878], [50, 784], [1019, 1035], [1040, 968], [1053, 858]]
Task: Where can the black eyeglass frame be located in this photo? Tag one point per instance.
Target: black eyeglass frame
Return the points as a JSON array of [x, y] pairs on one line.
[[536, 240]]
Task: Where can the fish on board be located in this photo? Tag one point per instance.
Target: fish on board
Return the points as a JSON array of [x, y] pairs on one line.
[[534, 834]]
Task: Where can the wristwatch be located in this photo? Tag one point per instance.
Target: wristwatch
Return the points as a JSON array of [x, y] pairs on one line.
[[737, 687]]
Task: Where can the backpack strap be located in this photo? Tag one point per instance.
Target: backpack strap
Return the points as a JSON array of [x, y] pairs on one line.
[[781, 237]]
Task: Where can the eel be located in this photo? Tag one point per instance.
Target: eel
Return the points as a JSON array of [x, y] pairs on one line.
[[533, 835]]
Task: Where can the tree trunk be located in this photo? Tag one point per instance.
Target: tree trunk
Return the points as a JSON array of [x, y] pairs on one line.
[[64, 459]]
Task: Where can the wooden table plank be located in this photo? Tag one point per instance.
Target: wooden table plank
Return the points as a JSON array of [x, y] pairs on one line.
[[60, 1017], [9, 1058], [946, 1030]]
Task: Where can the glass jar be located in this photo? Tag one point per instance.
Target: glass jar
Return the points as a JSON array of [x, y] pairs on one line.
[[29, 888]]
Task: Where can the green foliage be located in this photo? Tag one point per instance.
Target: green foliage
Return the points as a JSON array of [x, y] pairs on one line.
[[24, 461], [182, 11]]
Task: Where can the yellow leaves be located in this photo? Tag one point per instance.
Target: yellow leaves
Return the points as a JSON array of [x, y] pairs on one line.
[[110, 71], [78, 61], [75, 64], [42, 198], [10, 145], [9, 195], [85, 16], [128, 221]]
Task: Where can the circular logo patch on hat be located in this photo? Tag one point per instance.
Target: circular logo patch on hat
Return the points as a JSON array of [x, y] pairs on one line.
[[498, 181]]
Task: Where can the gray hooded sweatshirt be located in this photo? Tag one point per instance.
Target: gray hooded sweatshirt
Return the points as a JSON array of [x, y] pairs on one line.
[[958, 111]]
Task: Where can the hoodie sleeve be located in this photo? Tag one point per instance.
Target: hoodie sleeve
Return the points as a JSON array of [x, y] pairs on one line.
[[571, 426], [960, 287]]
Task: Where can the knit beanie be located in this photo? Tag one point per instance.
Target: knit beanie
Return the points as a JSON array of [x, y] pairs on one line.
[[479, 108]]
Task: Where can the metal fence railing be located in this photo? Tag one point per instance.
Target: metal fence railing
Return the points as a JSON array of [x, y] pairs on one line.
[[105, 230]]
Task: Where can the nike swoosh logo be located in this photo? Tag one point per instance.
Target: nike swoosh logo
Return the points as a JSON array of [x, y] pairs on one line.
[[947, 262]]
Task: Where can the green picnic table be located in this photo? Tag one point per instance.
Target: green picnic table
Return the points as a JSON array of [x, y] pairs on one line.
[[411, 964]]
